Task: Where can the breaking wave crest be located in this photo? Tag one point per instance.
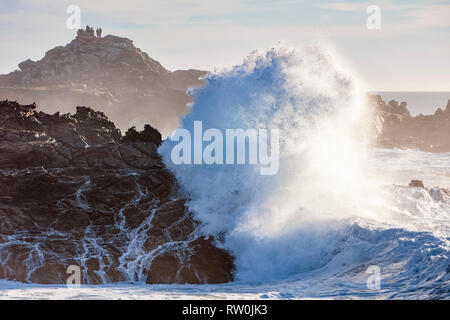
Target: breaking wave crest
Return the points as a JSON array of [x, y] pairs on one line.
[[326, 196]]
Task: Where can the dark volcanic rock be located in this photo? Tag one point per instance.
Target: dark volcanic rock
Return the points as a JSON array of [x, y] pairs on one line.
[[73, 191], [148, 135]]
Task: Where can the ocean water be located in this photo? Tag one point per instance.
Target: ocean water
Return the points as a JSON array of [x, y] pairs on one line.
[[337, 209], [418, 102]]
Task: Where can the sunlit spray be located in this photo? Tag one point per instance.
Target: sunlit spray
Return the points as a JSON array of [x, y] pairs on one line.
[[276, 225]]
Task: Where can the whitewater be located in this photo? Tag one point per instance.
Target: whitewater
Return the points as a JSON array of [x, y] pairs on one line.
[[337, 206]]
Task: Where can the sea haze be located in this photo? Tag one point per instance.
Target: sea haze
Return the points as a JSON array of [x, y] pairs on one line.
[[418, 102]]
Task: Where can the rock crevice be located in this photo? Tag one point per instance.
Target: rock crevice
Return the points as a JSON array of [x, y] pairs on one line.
[[73, 191]]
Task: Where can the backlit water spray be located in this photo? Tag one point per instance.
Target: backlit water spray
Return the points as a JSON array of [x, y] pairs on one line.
[[281, 225]]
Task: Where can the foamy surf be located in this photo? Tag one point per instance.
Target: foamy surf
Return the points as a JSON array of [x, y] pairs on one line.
[[331, 209]]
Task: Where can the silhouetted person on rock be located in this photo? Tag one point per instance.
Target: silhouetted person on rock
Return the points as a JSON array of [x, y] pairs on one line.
[[89, 31], [99, 32]]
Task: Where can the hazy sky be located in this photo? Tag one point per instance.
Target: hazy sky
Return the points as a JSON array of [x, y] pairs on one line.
[[411, 51]]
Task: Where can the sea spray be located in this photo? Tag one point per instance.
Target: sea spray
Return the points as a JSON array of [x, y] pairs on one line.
[[274, 225]]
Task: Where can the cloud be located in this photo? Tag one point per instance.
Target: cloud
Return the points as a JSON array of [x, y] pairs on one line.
[[387, 5], [211, 33], [343, 6], [432, 16]]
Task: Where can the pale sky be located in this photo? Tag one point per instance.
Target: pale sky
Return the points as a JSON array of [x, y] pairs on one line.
[[411, 51]]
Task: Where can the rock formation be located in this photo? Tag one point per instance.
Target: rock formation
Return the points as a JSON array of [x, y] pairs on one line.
[[73, 191], [417, 184], [436, 193], [109, 73], [397, 128]]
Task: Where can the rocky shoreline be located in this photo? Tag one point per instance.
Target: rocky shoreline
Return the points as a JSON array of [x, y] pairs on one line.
[[396, 128], [108, 73], [74, 191], [112, 75]]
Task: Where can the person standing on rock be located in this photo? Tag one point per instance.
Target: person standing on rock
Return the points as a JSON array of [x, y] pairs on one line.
[[99, 32]]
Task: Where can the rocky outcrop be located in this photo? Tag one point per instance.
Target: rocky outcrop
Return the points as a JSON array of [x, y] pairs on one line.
[[436, 193], [109, 73], [149, 134], [73, 191], [397, 128], [416, 184]]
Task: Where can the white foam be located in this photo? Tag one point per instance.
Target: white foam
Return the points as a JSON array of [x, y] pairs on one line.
[[294, 222]]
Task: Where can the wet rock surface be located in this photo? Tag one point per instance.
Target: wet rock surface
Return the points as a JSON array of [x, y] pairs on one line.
[[73, 191]]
